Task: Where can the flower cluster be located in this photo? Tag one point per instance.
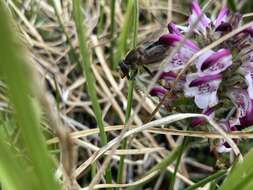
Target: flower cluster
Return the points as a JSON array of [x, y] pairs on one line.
[[220, 81]]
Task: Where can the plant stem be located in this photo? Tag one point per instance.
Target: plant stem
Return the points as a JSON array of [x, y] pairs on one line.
[[81, 33], [184, 145], [126, 30], [131, 84], [72, 53], [101, 17], [124, 143], [207, 180], [161, 166], [112, 29]]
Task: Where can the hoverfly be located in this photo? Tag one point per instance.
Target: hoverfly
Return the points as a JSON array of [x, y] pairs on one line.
[[141, 57]]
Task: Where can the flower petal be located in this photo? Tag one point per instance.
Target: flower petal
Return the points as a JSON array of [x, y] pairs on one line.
[[205, 100], [249, 80], [213, 63], [247, 68], [248, 119], [196, 13], [222, 17], [173, 29], [203, 89], [244, 105], [222, 148], [241, 100], [170, 39], [182, 56], [158, 91], [204, 80], [200, 120], [168, 75]]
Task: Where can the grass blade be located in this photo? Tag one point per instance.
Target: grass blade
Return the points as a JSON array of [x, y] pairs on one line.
[[72, 54], [181, 151], [124, 35], [112, 30], [162, 165], [11, 172], [208, 179], [80, 28], [101, 17], [88, 74], [241, 175], [130, 90], [15, 71]]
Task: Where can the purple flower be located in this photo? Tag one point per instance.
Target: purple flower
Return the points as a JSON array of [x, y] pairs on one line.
[[247, 70], [200, 120], [169, 78], [212, 63], [244, 105], [248, 119], [249, 80], [249, 31], [196, 13], [172, 39], [173, 29], [203, 89], [181, 57], [158, 91], [223, 145], [202, 79], [168, 75], [169, 81], [222, 17]]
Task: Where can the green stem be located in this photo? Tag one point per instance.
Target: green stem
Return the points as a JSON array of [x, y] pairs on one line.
[[126, 31], [130, 91], [173, 178], [124, 143], [136, 22], [101, 17], [161, 166], [112, 29], [72, 53], [202, 182], [86, 65]]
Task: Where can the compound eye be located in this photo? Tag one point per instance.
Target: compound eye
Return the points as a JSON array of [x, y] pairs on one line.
[[124, 69]]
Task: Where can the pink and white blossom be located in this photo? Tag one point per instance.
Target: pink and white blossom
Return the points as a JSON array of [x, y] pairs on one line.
[[203, 89], [196, 14], [222, 17], [223, 145], [244, 105], [181, 57], [247, 70], [212, 63]]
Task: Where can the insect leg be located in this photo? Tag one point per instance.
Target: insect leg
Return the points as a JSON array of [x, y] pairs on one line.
[[148, 71], [133, 74]]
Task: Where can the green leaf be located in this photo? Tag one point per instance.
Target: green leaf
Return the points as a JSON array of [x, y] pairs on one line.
[[206, 180], [21, 90], [125, 33], [240, 177]]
